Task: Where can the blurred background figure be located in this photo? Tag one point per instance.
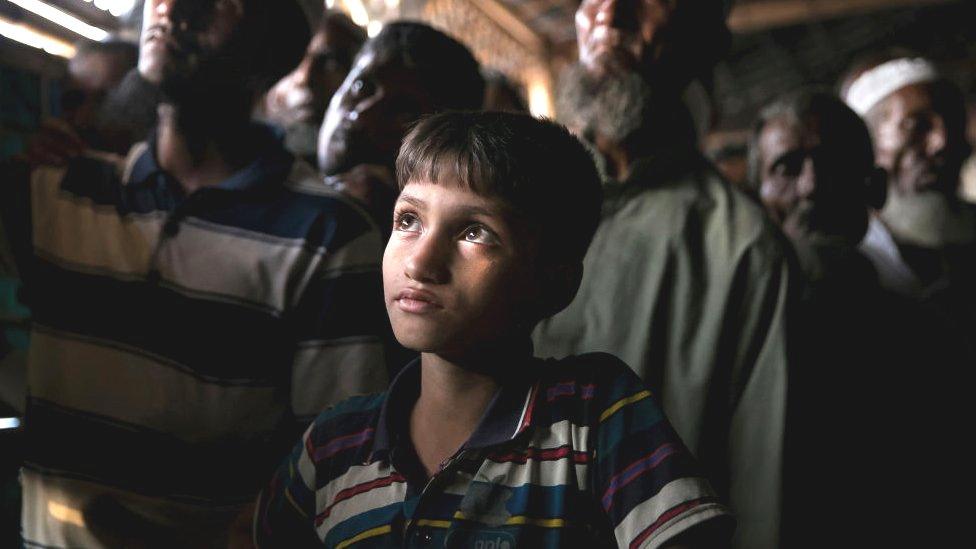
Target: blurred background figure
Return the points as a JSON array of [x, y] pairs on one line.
[[407, 71], [501, 94], [93, 73], [923, 240], [814, 164], [686, 280], [298, 102], [859, 346]]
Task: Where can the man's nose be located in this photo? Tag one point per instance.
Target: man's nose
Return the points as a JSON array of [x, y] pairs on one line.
[[936, 139], [617, 14], [302, 73], [806, 182]]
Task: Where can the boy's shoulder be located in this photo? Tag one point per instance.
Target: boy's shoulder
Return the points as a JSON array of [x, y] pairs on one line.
[[602, 370], [355, 416], [587, 388], [356, 410]]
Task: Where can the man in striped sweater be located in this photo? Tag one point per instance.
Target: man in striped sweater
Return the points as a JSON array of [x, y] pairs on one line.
[[193, 309], [478, 444]]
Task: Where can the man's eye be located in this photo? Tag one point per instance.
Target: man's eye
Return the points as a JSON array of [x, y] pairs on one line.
[[480, 234], [406, 222]]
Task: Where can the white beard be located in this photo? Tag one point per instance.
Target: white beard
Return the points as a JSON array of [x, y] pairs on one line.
[[302, 139], [928, 219]]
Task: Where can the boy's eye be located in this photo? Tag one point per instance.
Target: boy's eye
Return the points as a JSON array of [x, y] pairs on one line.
[[406, 222], [480, 234]]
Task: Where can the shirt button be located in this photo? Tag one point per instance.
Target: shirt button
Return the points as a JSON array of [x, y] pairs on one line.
[[424, 536]]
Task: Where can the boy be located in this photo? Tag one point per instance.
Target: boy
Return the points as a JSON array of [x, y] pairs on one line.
[[478, 444]]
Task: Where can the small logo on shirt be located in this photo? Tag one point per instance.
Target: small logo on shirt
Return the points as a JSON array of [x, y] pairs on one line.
[[485, 539], [499, 542]]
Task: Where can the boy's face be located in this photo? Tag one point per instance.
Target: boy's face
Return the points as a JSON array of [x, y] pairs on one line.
[[459, 271]]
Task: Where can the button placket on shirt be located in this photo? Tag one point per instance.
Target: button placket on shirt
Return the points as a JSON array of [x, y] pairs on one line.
[[422, 535], [169, 231]]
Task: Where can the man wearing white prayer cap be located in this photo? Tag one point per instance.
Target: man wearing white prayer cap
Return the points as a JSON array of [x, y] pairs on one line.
[[923, 241]]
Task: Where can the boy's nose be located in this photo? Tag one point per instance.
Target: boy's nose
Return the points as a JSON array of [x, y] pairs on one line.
[[427, 261]]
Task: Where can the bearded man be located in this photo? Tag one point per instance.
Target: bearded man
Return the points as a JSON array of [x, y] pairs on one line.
[[686, 280]]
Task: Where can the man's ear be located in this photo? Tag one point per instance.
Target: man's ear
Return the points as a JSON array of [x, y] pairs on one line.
[[559, 284], [876, 188]]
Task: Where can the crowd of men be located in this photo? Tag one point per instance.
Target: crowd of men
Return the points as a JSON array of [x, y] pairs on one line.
[[200, 295]]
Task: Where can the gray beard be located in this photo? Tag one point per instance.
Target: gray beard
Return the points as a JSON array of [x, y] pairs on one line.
[[928, 219], [616, 106], [302, 139]]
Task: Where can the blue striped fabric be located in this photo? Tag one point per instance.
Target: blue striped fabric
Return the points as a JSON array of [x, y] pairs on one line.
[[180, 343], [574, 454]]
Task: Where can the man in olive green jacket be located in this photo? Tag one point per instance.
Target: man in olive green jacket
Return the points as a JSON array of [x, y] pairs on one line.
[[686, 280]]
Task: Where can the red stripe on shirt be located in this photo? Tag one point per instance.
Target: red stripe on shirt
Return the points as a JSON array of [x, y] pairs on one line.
[[354, 491], [542, 454], [668, 515]]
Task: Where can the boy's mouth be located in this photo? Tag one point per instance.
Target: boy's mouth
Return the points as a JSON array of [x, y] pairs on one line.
[[417, 301]]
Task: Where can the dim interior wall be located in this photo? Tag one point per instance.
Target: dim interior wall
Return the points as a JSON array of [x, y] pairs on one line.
[[30, 85]]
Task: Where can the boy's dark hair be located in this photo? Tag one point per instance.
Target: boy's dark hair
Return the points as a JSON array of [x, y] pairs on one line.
[[444, 64], [536, 167]]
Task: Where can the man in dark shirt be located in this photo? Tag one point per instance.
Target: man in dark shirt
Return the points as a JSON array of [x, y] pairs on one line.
[[194, 309]]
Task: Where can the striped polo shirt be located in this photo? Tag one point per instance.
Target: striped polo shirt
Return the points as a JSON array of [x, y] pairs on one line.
[[573, 453], [181, 342]]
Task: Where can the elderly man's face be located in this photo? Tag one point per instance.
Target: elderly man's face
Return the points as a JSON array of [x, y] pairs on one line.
[[623, 35], [920, 148], [178, 34], [303, 96], [812, 184], [369, 115]]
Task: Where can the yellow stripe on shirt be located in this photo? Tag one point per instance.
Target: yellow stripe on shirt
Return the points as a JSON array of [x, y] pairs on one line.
[[522, 519], [623, 402], [371, 533]]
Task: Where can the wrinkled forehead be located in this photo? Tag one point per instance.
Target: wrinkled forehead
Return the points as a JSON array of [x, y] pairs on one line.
[[779, 135]]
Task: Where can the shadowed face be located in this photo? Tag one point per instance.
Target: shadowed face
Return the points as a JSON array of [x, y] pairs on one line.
[[180, 36], [458, 271], [813, 184], [370, 114], [303, 96], [918, 142], [617, 36]]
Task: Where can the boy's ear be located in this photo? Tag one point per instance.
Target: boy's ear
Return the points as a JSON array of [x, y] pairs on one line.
[[558, 287]]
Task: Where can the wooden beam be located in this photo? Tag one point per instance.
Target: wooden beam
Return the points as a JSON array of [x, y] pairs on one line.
[[756, 16], [512, 24]]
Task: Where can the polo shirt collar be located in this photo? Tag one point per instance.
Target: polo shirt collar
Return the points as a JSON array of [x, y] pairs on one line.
[[508, 414], [272, 164]]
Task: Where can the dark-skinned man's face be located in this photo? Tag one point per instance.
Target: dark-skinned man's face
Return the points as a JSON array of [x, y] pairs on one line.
[[813, 185], [179, 37], [617, 36], [370, 113], [303, 96], [915, 141]]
